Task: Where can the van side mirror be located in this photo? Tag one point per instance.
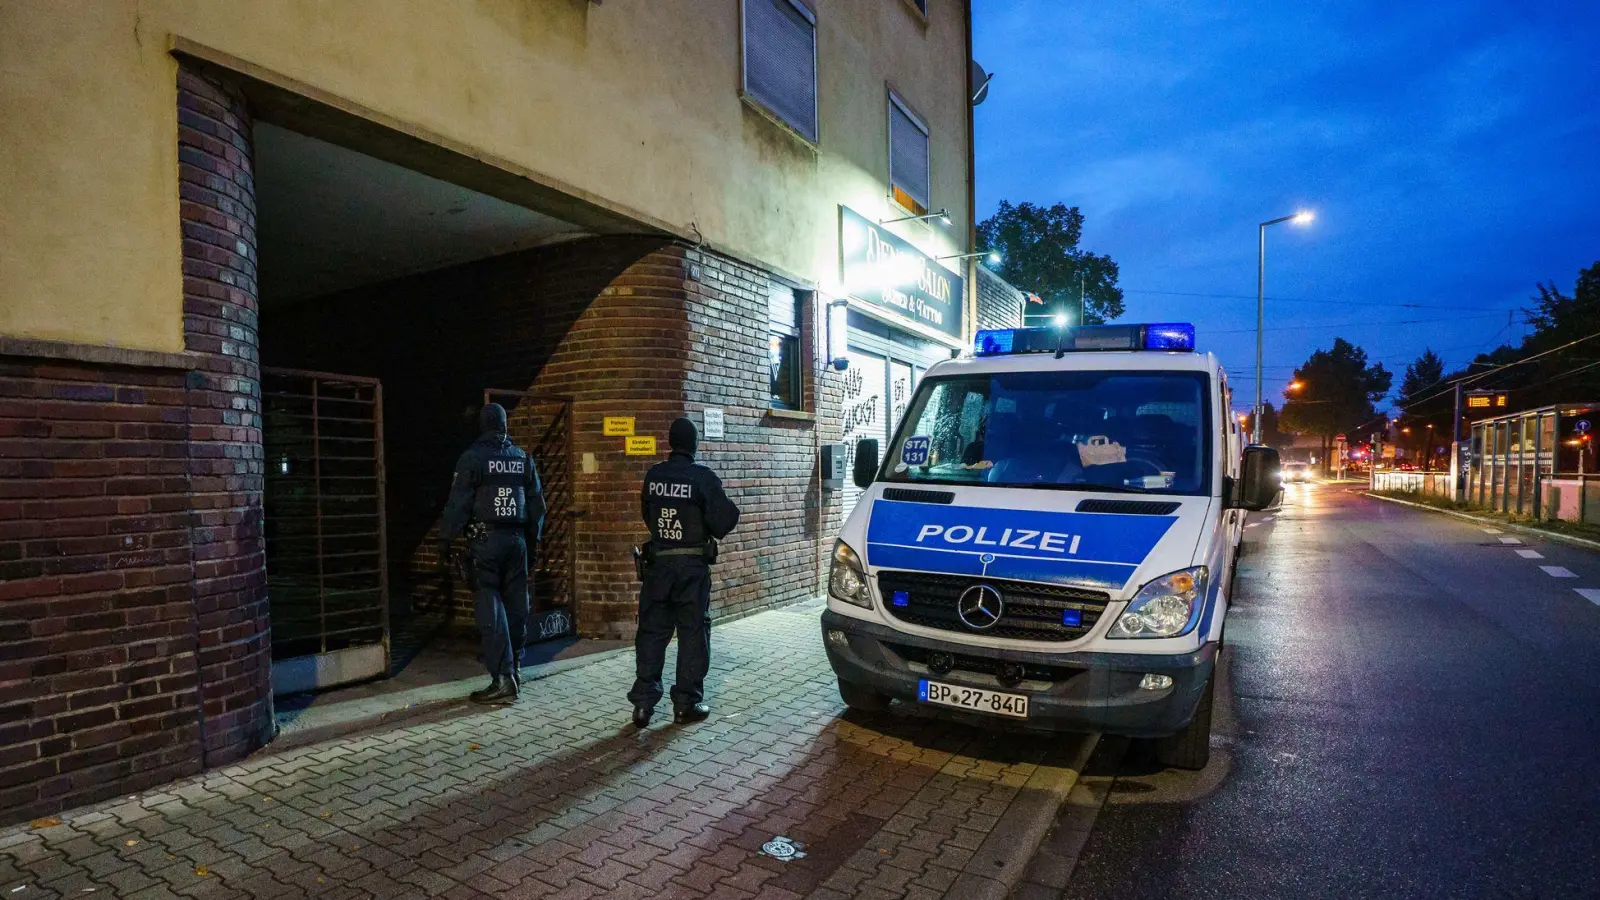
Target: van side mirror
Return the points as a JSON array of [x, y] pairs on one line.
[[1260, 479], [866, 467]]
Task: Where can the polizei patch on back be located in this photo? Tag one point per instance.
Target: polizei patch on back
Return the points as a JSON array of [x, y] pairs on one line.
[[1026, 545], [506, 467]]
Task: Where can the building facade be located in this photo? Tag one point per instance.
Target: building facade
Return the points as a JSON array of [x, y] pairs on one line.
[[264, 262]]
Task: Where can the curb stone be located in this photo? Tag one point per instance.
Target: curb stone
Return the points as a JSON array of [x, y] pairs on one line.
[[997, 868]]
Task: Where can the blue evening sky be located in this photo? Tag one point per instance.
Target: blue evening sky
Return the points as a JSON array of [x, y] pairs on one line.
[[1451, 152]]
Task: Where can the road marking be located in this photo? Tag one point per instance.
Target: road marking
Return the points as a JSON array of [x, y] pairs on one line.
[[1510, 540], [1530, 554], [1590, 594], [1559, 572], [1493, 531]]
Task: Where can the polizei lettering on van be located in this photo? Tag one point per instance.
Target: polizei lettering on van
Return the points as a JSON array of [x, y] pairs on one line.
[[1011, 538], [1094, 549]]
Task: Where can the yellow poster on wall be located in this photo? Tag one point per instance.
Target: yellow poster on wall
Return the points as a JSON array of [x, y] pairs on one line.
[[640, 446], [618, 426]]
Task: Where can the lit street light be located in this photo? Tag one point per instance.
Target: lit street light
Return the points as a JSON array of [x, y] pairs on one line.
[[1300, 218], [1296, 385]]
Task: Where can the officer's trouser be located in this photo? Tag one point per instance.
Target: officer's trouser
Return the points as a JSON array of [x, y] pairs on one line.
[[500, 597], [676, 595]]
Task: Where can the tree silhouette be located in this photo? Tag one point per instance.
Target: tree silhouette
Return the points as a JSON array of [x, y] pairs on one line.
[[1039, 253]]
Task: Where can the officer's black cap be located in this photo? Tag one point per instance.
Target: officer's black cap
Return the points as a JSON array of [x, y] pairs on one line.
[[682, 435], [492, 419]]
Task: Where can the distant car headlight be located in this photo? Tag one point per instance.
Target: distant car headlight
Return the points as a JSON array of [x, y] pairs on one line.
[[1168, 606], [847, 580]]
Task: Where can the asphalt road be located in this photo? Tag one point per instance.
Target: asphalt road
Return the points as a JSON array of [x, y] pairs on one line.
[[1410, 707]]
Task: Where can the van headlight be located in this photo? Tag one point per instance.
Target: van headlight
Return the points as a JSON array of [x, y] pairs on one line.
[[847, 580], [1166, 607]]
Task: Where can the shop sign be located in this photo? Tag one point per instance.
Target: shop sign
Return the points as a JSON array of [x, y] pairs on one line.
[[885, 272]]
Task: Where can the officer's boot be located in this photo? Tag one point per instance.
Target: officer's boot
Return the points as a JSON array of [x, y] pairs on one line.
[[501, 691], [690, 712]]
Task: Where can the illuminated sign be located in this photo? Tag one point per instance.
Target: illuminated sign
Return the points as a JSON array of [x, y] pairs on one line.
[[882, 270], [1486, 400]]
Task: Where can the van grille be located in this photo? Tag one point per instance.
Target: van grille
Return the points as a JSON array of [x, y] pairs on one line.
[[1033, 612]]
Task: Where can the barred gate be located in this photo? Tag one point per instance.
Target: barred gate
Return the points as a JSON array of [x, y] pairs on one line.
[[327, 558], [542, 425]]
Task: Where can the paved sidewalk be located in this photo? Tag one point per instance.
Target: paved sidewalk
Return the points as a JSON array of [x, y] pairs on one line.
[[558, 797]]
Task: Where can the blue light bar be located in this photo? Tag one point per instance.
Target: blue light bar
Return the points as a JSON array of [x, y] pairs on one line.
[[1011, 341], [1169, 336]]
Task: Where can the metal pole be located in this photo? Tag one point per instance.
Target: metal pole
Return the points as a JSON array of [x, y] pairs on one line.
[[1458, 492], [1261, 316]]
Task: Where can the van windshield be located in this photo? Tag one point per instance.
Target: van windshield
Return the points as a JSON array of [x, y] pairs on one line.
[[1072, 430]]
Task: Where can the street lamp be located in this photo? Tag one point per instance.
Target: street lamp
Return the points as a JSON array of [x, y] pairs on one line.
[[1300, 218], [1296, 385]]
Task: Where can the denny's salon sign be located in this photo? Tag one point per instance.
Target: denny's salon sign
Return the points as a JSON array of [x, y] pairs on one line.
[[886, 273]]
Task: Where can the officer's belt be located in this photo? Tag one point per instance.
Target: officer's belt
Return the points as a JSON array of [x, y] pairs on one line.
[[682, 551]]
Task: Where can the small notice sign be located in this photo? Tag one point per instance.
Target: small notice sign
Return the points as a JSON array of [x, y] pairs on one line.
[[640, 446], [619, 426], [714, 423]]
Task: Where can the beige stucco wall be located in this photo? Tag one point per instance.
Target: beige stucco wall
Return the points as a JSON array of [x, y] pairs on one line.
[[633, 101]]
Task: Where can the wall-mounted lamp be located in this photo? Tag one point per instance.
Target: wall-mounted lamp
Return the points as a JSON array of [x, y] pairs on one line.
[[989, 256], [838, 338], [943, 215]]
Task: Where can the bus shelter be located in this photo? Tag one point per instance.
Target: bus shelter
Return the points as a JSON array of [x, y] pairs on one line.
[[1515, 457]]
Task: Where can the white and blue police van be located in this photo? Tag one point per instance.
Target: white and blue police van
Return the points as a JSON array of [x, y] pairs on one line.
[[1050, 538]]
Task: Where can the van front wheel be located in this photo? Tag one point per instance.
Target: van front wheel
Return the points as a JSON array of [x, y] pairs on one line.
[[1191, 747], [861, 697]]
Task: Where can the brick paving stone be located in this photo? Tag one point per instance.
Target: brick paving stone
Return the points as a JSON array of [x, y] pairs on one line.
[[563, 798]]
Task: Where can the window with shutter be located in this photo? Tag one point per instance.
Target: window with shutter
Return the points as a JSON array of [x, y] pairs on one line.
[[908, 157], [785, 359], [780, 61]]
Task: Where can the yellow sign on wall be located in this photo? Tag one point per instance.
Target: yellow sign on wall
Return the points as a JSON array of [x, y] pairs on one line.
[[619, 426], [640, 446]]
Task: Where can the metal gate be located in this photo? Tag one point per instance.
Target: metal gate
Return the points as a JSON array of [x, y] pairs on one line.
[[327, 560], [542, 425]]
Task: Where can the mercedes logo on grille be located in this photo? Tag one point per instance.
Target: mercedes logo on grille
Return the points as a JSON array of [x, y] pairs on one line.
[[980, 607]]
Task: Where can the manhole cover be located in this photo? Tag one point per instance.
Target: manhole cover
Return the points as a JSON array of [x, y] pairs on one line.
[[783, 849]]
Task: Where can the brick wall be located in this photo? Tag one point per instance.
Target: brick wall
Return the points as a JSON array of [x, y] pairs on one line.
[[97, 620], [999, 304]]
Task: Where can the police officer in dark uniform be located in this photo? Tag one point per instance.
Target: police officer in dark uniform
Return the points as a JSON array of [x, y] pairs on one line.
[[687, 513], [496, 501]]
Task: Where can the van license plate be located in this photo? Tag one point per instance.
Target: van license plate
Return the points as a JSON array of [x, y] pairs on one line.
[[977, 699]]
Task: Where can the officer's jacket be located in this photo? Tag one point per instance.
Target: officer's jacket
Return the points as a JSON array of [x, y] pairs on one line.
[[496, 484], [683, 504]]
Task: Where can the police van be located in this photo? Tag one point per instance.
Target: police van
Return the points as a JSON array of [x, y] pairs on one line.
[[1050, 537]]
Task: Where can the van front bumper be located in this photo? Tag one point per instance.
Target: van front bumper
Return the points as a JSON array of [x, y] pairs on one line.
[[1073, 691]]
